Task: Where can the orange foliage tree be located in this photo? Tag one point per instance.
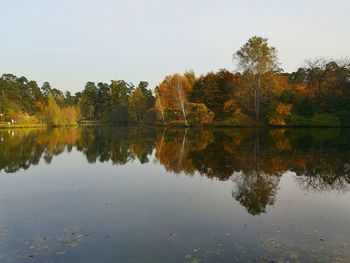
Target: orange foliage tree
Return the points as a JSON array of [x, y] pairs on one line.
[[172, 94]]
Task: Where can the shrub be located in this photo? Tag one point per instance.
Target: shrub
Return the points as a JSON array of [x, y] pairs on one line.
[[297, 120], [278, 115], [18, 116], [237, 119], [59, 117], [325, 120], [169, 114], [198, 113]]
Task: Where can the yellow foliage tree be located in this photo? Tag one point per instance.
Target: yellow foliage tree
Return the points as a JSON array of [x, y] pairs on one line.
[[137, 104], [52, 113], [69, 115], [56, 116], [198, 113], [173, 94]]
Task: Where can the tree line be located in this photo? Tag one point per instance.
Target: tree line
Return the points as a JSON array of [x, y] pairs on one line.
[[259, 92]]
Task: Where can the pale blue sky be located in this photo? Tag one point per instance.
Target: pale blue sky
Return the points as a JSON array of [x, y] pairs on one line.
[[70, 42]]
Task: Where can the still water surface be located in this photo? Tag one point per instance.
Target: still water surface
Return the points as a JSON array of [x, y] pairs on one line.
[[144, 194]]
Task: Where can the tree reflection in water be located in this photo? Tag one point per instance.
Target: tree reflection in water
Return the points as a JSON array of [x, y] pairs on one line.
[[254, 160]]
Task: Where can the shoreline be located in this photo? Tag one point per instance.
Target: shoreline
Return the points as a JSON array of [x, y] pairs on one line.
[[22, 125], [104, 123]]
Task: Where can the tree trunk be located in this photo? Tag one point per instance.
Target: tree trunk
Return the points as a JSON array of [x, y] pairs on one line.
[[161, 142], [139, 110], [161, 110], [182, 149], [184, 111], [256, 155], [257, 99]]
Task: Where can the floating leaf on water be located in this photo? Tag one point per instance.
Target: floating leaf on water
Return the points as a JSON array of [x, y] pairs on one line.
[[59, 252], [293, 254]]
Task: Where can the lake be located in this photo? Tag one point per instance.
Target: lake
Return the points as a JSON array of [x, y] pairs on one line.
[[153, 194]]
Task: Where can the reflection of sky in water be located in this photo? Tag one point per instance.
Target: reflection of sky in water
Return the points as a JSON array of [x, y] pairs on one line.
[[142, 213]]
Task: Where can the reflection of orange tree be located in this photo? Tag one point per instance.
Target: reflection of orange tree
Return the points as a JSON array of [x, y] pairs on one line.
[[172, 152], [19, 150], [221, 157], [56, 141], [256, 158], [23, 148], [282, 142], [215, 154], [174, 148]]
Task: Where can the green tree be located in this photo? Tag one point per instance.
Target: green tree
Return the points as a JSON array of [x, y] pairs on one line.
[[52, 113], [147, 93], [256, 58], [69, 99], [137, 104], [101, 104], [118, 101], [88, 100], [46, 90]]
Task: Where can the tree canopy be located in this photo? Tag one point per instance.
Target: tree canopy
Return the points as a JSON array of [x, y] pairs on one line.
[[258, 93]]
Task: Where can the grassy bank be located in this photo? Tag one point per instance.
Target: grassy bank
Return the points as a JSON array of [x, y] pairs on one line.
[[5, 125], [226, 124], [94, 123]]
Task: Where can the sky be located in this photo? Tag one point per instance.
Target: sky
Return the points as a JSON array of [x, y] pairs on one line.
[[71, 42]]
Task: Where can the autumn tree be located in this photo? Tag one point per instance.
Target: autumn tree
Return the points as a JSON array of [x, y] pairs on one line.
[[173, 94], [316, 73], [52, 113], [147, 93], [216, 91], [158, 104], [137, 104], [69, 115], [198, 113], [256, 58], [191, 77], [279, 113]]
